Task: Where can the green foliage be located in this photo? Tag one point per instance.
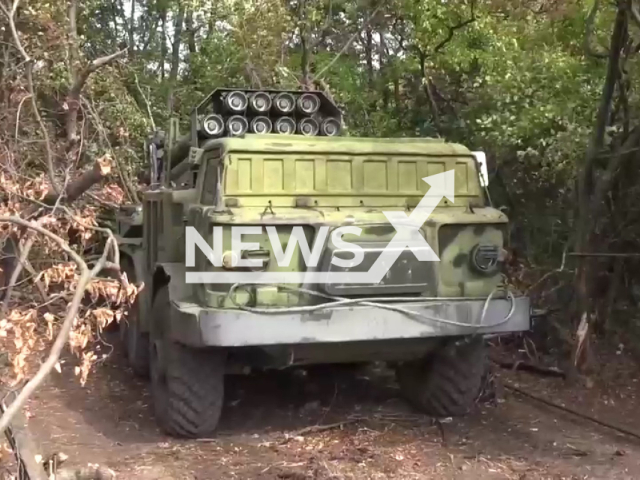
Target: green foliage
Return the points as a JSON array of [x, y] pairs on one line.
[[511, 78]]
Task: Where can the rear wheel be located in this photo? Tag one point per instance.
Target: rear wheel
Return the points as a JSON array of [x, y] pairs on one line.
[[448, 381], [187, 384]]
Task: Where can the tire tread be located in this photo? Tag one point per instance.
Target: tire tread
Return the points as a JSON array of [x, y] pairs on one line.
[[194, 388], [447, 383]]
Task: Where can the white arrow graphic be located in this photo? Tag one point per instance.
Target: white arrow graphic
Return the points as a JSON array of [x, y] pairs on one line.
[[442, 185], [408, 227]]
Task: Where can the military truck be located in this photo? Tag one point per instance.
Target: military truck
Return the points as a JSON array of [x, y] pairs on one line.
[[278, 162]]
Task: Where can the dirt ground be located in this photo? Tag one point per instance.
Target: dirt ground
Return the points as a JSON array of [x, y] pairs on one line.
[[264, 432]]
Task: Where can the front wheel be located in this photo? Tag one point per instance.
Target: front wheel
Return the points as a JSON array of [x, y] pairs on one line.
[[187, 384], [136, 342], [448, 381]]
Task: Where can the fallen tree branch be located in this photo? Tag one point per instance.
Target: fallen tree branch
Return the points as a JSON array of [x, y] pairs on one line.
[[71, 192], [24, 448], [99, 170], [317, 429], [549, 403], [322, 428], [530, 367], [85, 278], [22, 259]]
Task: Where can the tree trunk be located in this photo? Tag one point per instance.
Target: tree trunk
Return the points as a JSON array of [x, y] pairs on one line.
[[191, 32], [175, 56], [426, 87], [306, 46], [163, 39], [586, 200], [368, 48], [79, 75], [132, 26], [73, 97], [305, 61], [382, 48], [591, 194]]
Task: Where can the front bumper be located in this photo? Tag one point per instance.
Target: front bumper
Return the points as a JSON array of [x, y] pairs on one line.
[[200, 327]]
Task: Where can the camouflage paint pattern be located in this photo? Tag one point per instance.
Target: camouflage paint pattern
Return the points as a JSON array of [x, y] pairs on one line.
[[314, 181]]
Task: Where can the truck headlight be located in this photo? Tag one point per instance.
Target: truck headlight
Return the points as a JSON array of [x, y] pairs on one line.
[[485, 258], [229, 260]]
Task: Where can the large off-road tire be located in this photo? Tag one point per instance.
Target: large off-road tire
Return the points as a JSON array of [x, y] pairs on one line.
[[448, 381], [187, 384], [135, 342]]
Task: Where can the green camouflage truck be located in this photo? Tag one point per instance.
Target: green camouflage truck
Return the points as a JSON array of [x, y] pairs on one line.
[[268, 239]]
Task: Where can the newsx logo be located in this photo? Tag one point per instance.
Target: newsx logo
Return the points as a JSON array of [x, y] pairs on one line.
[[407, 237]]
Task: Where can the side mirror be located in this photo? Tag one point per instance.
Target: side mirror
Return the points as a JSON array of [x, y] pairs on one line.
[[154, 150], [481, 158]]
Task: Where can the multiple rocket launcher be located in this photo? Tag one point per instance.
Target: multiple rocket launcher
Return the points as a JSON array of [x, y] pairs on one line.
[[236, 112], [232, 112]]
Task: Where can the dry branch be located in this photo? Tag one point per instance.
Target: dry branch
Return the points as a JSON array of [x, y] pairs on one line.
[[12, 26], [22, 444], [588, 32], [146, 102], [22, 260], [73, 97], [85, 278], [100, 169], [346, 45], [127, 185], [29, 74], [530, 367], [72, 191], [79, 77], [317, 429], [452, 29]]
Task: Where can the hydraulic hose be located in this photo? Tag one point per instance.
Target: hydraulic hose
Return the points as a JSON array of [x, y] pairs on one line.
[[337, 302]]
